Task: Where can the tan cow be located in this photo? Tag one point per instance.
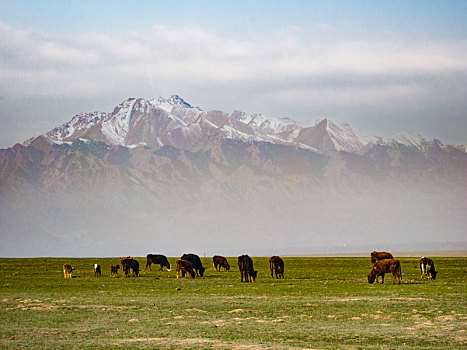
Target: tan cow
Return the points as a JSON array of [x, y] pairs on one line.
[[67, 270]]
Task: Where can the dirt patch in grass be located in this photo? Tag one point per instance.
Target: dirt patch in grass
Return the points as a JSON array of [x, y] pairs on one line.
[[193, 342]]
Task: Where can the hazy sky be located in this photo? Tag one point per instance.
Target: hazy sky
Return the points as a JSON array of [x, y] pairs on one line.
[[384, 66]]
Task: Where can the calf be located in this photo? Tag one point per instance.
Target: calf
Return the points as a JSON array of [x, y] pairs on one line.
[[245, 264], [114, 270], [427, 268], [157, 259], [196, 261], [97, 270], [276, 264], [385, 266], [67, 270], [184, 267], [220, 261], [128, 264]]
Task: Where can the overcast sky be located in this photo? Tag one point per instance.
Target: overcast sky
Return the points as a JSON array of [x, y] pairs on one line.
[[384, 67]]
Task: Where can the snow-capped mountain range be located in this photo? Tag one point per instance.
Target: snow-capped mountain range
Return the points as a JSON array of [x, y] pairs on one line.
[[163, 174], [174, 122]]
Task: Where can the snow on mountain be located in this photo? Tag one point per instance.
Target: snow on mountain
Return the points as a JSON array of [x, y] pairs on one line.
[[327, 135], [409, 140], [76, 126], [284, 128], [175, 122], [117, 125], [346, 138]]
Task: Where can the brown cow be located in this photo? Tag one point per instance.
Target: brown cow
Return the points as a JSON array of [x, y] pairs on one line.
[[67, 270], [385, 266], [427, 268], [184, 267], [97, 270], [276, 264], [127, 258], [376, 256], [114, 270], [220, 261], [245, 264]]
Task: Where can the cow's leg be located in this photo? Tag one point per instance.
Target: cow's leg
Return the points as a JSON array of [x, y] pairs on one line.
[[382, 278]]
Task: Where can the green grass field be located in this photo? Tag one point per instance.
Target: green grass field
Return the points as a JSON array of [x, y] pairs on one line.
[[323, 303]]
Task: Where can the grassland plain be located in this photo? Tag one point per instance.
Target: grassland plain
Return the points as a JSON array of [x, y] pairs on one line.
[[322, 303]]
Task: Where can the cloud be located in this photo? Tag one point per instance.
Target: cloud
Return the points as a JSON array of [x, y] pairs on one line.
[[43, 63], [290, 71]]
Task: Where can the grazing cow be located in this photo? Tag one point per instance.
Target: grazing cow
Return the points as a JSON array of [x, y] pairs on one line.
[[67, 270], [276, 264], [385, 266], [157, 259], [128, 264], [114, 270], [376, 256], [245, 264], [427, 268], [220, 261], [97, 270], [196, 261], [184, 267]]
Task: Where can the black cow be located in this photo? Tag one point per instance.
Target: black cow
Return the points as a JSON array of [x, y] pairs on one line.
[[184, 267], [220, 261], [157, 259], [276, 264], [128, 264], [427, 268], [196, 261], [97, 270], [245, 264]]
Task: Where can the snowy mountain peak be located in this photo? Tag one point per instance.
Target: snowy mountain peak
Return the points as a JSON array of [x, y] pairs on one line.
[[176, 100], [343, 136], [407, 139]]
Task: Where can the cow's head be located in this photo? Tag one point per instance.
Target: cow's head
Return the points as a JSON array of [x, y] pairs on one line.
[[253, 276], [371, 278], [433, 274], [201, 271], [227, 266], [167, 264]]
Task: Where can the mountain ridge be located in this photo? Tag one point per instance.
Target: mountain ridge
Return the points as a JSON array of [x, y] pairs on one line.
[[173, 121]]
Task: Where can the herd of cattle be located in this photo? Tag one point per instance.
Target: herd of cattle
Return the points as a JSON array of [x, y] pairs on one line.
[[190, 264]]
